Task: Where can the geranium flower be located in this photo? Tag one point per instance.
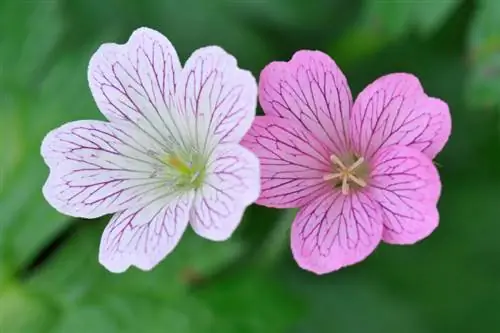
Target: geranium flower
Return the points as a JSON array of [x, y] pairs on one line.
[[168, 156], [360, 173]]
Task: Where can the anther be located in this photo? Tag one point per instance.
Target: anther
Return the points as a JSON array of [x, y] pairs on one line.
[[345, 174]]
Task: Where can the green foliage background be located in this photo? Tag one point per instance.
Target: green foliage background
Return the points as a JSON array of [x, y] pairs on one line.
[[50, 280]]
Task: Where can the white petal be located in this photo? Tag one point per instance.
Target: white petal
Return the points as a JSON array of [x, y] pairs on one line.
[[232, 183], [143, 237], [135, 82], [97, 168], [217, 97]]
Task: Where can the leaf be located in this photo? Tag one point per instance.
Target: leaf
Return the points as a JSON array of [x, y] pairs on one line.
[[484, 55], [76, 268], [33, 28], [34, 99], [251, 301], [87, 298], [189, 25], [62, 96], [429, 16], [397, 18], [23, 311], [345, 303]]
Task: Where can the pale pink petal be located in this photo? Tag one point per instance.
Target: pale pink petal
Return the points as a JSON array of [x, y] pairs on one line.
[[144, 236], [406, 184], [216, 97], [292, 162], [232, 183], [394, 110], [312, 90], [136, 82], [97, 168], [336, 230]]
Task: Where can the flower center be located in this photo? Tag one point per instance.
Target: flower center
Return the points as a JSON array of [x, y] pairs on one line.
[[182, 170], [349, 172]]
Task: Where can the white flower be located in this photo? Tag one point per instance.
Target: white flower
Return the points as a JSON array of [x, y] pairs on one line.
[[169, 155]]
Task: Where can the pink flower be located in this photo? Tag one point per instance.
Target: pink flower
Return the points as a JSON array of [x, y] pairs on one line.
[[169, 155], [360, 173]]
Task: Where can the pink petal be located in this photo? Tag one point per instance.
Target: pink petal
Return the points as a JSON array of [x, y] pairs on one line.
[[216, 97], [135, 82], [406, 184], [144, 236], [232, 183], [394, 110], [336, 230], [312, 90], [97, 168], [292, 162]]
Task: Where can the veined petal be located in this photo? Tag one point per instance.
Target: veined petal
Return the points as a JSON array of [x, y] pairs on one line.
[[312, 90], [406, 184], [232, 183], [336, 230], [136, 82], [216, 97], [394, 110], [144, 236], [97, 168], [292, 162]]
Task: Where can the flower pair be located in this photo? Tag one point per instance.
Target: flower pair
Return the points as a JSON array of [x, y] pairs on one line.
[[182, 146]]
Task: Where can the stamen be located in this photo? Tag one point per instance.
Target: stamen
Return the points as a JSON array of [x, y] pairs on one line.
[[356, 164], [334, 158], [357, 180], [331, 176], [345, 186], [345, 174]]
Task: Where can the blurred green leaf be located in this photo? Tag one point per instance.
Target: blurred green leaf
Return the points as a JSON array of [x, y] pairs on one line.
[[484, 55], [382, 22], [189, 25], [22, 311], [388, 19], [345, 303], [62, 96], [391, 19], [75, 271], [87, 298], [429, 16], [34, 99], [30, 29], [251, 301]]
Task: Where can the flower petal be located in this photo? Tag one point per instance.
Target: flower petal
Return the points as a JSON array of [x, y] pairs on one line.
[[232, 183], [394, 110], [97, 168], [312, 90], [292, 162], [406, 184], [336, 230], [135, 82], [144, 236], [216, 97]]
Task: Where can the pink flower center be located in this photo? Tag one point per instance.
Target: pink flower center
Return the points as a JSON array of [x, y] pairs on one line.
[[349, 173]]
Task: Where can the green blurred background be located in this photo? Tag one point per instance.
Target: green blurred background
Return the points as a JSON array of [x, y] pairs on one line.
[[50, 280]]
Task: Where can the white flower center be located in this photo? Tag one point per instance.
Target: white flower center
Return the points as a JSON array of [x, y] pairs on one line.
[[181, 170], [347, 176]]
